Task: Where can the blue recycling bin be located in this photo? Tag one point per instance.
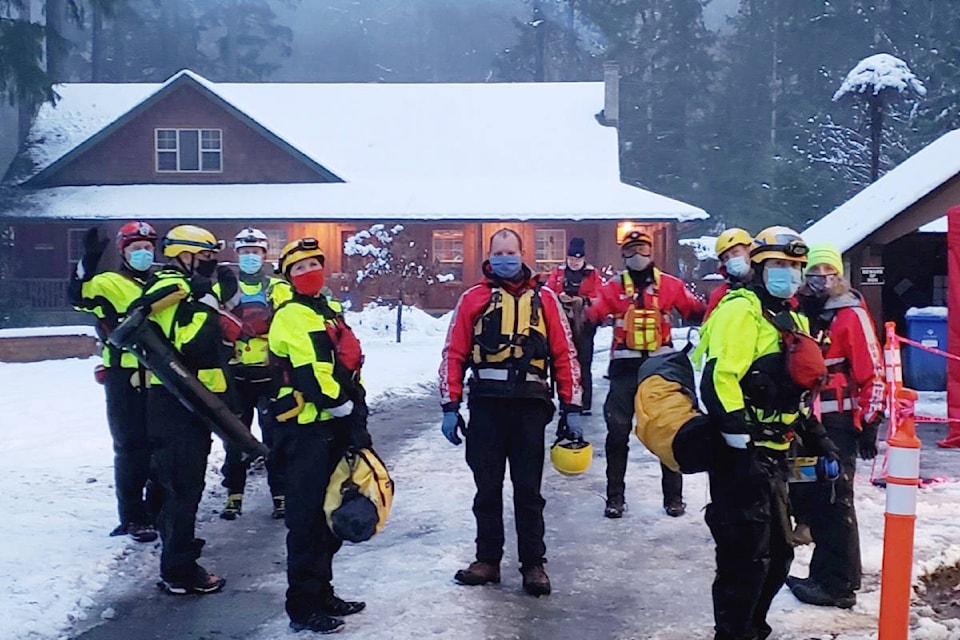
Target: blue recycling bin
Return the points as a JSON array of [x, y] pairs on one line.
[[922, 370]]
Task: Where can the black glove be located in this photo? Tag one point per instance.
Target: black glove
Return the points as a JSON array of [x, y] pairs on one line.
[[570, 425], [200, 286], [359, 435], [867, 440], [229, 286], [93, 248]]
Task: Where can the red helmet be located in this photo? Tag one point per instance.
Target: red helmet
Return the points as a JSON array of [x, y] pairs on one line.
[[134, 231]]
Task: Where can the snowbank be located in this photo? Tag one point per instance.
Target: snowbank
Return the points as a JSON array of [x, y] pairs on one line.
[[32, 332]]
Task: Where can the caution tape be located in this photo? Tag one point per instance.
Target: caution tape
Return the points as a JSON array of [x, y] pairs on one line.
[[919, 345]]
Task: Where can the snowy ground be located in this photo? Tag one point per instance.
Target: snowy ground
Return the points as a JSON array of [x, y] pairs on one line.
[[613, 579]]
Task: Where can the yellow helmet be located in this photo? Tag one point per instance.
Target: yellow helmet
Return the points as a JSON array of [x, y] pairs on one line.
[[731, 238], [299, 250], [190, 239], [571, 457], [779, 242]]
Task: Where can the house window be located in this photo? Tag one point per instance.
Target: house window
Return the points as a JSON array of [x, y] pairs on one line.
[[939, 291], [276, 241], [448, 252], [74, 248], [549, 248], [189, 150]]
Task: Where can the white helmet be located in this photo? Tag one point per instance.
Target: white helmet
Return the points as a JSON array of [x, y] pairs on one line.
[[250, 237]]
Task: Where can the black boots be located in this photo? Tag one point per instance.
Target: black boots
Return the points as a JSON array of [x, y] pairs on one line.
[[808, 591], [615, 508], [675, 507]]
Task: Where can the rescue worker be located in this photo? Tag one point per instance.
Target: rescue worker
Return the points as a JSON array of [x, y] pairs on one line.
[[733, 249], [108, 295], [756, 396], [320, 409], [575, 283], [640, 299], [510, 331], [851, 408], [253, 305], [185, 310]]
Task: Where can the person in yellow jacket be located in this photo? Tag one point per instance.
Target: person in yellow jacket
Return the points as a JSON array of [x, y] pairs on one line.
[[758, 399], [321, 411], [186, 312], [257, 295], [108, 295]]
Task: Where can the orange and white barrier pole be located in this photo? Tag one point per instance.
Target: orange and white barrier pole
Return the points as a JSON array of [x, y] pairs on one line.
[[903, 480], [893, 374]]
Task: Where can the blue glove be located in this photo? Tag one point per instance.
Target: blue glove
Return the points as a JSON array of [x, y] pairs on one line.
[[452, 420], [574, 426]]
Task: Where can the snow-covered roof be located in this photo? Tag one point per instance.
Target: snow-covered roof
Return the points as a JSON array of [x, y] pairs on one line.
[[877, 73], [437, 200], [897, 190], [436, 150], [937, 226]]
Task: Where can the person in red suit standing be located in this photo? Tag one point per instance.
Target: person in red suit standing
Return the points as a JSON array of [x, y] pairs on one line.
[[640, 300], [575, 283]]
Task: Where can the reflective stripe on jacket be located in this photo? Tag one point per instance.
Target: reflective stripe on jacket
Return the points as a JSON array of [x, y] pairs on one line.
[[300, 340], [733, 340], [666, 294], [855, 362], [108, 295], [192, 327], [460, 342]]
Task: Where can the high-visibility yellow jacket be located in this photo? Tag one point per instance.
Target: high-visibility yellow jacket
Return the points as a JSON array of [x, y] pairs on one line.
[[108, 296], [191, 326], [745, 381], [302, 347]]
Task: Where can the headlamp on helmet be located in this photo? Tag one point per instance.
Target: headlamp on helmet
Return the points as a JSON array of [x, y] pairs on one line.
[[299, 250]]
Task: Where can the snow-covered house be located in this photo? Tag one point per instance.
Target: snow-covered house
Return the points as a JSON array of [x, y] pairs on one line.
[[451, 162], [892, 256]]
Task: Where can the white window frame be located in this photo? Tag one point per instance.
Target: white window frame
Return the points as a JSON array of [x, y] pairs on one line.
[[448, 235], [544, 261], [74, 252], [176, 149]]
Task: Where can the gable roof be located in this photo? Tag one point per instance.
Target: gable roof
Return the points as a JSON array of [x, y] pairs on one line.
[[898, 189], [502, 144], [41, 172]]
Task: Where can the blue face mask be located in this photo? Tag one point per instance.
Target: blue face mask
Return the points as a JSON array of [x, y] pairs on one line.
[[737, 267], [140, 260], [506, 266], [781, 282], [250, 263]]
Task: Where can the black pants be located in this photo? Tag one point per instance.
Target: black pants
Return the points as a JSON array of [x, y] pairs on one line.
[[618, 411], [252, 395], [310, 452], [138, 495], [583, 341], [182, 446], [833, 518], [503, 429], [749, 518]]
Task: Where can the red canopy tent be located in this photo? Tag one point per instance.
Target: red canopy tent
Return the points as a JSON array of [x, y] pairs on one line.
[[953, 327]]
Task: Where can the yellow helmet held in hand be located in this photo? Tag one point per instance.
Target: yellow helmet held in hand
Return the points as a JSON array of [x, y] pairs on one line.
[[571, 457], [189, 238], [779, 242], [299, 250], [731, 238]]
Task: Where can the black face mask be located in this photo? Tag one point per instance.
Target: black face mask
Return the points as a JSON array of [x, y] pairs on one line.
[[205, 268]]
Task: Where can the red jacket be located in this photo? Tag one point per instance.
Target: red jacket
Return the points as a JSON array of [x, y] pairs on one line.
[[589, 286], [854, 359], [458, 347], [671, 294]]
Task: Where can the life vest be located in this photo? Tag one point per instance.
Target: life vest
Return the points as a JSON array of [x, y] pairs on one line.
[[641, 328], [510, 339], [255, 313], [359, 496]]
